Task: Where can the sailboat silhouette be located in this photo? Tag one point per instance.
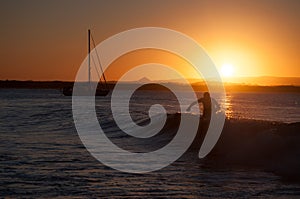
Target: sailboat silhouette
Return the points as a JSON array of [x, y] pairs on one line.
[[102, 88]]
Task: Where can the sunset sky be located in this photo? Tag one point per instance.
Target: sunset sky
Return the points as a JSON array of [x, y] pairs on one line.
[[46, 40]]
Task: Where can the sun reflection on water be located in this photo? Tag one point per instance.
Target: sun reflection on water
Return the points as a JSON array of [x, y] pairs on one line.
[[227, 106]]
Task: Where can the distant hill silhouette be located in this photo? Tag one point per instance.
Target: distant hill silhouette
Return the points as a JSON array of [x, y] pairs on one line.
[[266, 80], [257, 81], [288, 85], [144, 80]]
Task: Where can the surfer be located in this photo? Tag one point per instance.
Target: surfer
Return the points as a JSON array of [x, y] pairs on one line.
[[209, 105]]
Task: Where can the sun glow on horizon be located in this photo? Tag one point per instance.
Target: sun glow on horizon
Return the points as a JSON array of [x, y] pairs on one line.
[[227, 70]]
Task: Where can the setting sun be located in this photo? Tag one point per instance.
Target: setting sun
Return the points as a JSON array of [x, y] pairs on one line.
[[227, 70]]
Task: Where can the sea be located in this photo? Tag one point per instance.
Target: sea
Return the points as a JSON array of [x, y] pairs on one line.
[[42, 156]]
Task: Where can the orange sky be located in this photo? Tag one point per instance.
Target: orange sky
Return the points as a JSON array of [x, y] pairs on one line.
[[153, 56], [46, 40]]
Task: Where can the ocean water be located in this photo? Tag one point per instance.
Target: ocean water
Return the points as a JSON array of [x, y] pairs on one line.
[[41, 154]]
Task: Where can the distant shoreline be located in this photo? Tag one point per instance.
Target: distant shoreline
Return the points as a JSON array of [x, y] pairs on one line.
[[16, 84]]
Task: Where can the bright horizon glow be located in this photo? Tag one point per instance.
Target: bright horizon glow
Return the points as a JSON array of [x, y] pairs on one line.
[[227, 70]]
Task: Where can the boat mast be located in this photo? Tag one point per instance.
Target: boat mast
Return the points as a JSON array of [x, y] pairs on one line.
[[89, 55], [99, 62]]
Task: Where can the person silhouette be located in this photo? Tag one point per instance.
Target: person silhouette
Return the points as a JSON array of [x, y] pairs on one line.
[[209, 105]]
